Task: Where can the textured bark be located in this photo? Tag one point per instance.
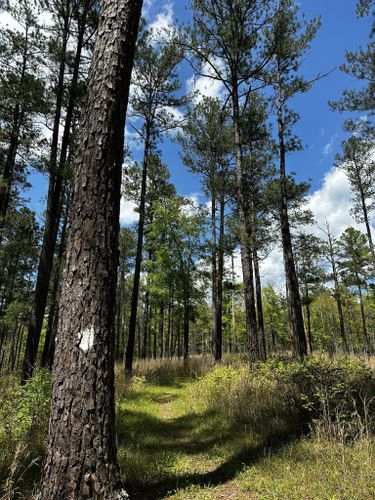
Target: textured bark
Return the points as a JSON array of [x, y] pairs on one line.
[[294, 298], [81, 455], [245, 237], [138, 260], [53, 200]]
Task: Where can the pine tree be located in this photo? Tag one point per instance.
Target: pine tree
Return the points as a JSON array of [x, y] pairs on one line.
[[354, 263], [23, 97], [227, 41], [81, 455], [357, 161], [155, 85], [207, 144], [289, 37]]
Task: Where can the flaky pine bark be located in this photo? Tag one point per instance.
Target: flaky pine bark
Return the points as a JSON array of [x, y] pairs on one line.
[[294, 299], [81, 455]]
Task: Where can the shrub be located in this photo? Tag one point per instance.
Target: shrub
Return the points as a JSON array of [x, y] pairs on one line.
[[329, 394]]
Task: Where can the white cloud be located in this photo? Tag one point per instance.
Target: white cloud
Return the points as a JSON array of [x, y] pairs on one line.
[[127, 213], [329, 147], [163, 21], [332, 203], [204, 85]]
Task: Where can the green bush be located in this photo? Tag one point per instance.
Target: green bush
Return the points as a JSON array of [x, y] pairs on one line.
[[317, 392], [24, 415]]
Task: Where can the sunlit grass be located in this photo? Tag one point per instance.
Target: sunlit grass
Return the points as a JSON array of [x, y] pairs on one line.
[[199, 431]]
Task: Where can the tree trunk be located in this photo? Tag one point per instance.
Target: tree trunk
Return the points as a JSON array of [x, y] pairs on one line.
[[186, 327], [260, 316], [295, 306], [214, 280], [53, 203], [367, 224], [309, 333], [145, 325], [220, 277], [8, 172], [234, 328], [364, 324], [81, 455], [49, 342], [337, 291], [161, 332], [138, 260], [245, 237]]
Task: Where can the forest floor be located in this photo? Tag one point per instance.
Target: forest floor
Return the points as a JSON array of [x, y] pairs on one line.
[[172, 448], [219, 433]]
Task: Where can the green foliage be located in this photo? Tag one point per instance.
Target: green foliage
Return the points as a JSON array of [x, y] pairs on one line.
[[290, 395], [25, 411]]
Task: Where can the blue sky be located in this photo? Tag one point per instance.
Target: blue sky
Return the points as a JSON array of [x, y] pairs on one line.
[[319, 128]]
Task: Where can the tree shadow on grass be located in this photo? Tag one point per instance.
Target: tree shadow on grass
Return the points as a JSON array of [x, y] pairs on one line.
[[179, 435]]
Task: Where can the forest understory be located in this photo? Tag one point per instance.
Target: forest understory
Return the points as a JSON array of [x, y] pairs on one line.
[[282, 430]]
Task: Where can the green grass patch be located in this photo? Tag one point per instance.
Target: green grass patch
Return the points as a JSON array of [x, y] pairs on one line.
[[283, 430]]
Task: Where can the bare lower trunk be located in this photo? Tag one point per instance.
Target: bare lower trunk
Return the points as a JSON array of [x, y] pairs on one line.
[[138, 260], [49, 342], [260, 316], [81, 455], [186, 327], [245, 238], [295, 306], [364, 323]]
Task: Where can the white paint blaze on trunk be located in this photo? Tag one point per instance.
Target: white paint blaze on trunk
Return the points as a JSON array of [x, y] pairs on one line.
[[86, 338]]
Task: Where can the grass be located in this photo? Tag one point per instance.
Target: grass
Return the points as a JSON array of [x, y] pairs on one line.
[[283, 431]]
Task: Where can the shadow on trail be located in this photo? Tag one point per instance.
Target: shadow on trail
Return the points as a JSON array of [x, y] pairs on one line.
[[178, 436]]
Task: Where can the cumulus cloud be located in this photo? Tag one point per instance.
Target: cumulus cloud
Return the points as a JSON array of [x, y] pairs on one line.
[[127, 212], [163, 21], [205, 85], [332, 203]]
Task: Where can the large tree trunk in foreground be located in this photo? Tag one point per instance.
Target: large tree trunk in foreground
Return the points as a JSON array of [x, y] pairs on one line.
[[81, 455]]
